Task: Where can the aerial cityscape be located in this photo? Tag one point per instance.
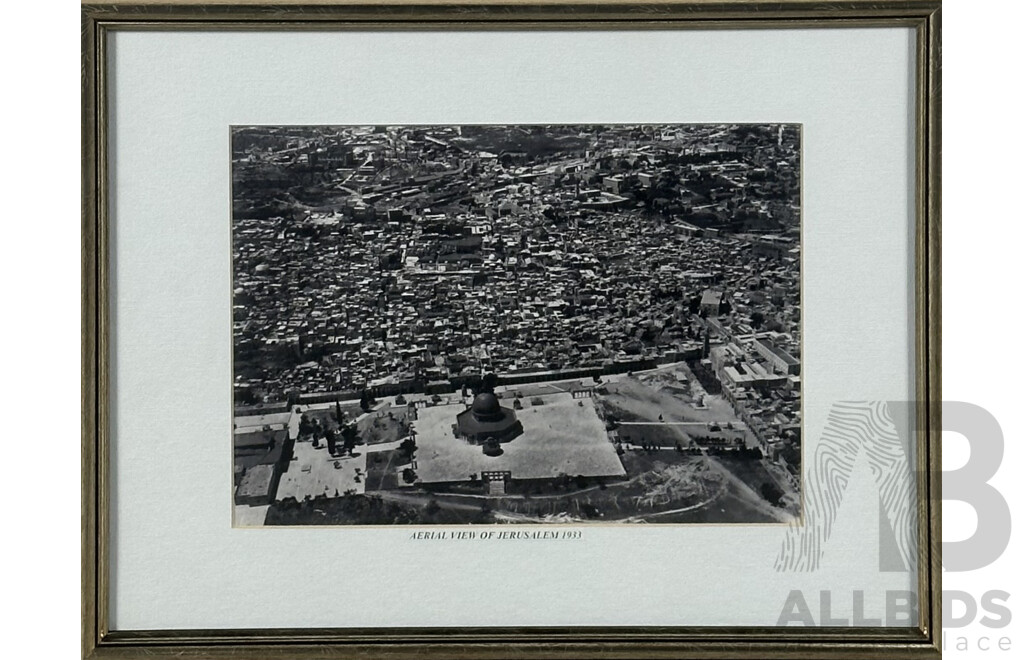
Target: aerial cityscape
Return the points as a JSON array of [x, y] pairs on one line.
[[516, 324]]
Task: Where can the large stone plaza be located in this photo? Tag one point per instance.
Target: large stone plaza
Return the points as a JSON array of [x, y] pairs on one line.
[[562, 435]]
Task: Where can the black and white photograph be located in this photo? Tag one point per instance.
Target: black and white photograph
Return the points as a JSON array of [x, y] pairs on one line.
[[485, 324]]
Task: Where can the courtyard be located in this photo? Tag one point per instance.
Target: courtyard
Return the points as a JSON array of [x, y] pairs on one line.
[[561, 435]]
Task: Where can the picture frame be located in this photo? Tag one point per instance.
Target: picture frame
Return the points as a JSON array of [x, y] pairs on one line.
[[100, 639]]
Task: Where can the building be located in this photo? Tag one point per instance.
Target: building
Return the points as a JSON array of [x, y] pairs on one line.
[[486, 419], [613, 184], [775, 247], [261, 457], [711, 302], [781, 361]]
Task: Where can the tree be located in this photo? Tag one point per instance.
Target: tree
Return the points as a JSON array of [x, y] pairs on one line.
[[339, 415], [408, 447], [771, 492], [349, 437], [756, 320], [305, 428], [408, 475], [364, 401], [490, 381], [492, 447], [246, 397]]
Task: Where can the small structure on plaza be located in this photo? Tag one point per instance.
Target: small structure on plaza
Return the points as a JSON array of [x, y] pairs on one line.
[[486, 419]]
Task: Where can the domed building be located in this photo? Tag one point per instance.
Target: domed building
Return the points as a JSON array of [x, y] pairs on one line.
[[486, 419]]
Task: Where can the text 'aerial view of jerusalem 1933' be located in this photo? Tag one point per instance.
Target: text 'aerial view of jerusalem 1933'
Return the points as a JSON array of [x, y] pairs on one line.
[[516, 324]]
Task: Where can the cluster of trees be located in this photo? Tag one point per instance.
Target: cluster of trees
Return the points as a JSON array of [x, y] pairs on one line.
[[771, 492], [353, 509], [387, 429], [568, 482], [738, 452], [717, 441], [340, 439], [650, 447], [366, 401], [484, 384]]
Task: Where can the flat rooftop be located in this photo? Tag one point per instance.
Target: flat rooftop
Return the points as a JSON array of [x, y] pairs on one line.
[[312, 472], [251, 423], [560, 436]]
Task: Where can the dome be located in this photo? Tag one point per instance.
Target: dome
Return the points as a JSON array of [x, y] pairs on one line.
[[486, 420], [486, 406]]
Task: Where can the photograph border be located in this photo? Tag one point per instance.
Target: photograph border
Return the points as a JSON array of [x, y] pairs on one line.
[[99, 641]]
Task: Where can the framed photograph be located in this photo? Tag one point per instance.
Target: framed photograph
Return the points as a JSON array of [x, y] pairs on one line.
[[544, 330]]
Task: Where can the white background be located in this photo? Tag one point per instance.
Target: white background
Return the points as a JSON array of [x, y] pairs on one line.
[[39, 269], [175, 94]]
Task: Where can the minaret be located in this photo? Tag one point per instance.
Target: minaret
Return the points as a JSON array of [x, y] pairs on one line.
[[707, 341]]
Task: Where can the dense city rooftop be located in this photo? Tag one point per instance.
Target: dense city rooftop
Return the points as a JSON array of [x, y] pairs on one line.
[[407, 255]]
